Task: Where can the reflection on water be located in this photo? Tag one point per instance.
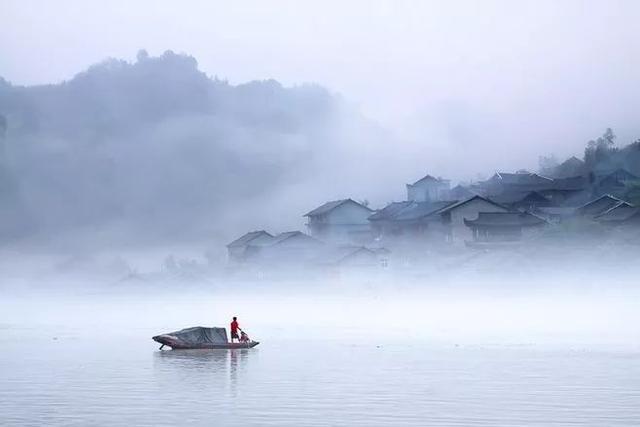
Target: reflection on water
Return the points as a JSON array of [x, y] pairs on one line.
[[195, 365]]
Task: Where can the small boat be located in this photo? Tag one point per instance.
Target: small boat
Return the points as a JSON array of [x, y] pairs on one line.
[[200, 337]]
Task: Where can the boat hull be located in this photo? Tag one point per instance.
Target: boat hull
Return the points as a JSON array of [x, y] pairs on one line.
[[176, 344]]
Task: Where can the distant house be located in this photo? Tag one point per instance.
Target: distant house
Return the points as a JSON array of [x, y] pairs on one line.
[[503, 226], [460, 192], [353, 257], [599, 206], [504, 182], [566, 197], [262, 247], [289, 247], [569, 168], [527, 201], [615, 182], [408, 220], [237, 250], [440, 221], [428, 189], [620, 214], [453, 216], [340, 220]]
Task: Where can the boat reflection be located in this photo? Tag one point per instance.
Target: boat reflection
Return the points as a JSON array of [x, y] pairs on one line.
[[203, 363]]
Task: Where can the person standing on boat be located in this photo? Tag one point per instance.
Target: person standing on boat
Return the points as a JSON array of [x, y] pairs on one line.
[[234, 329]]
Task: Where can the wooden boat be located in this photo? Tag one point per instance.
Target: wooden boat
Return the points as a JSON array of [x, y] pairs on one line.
[[200, 338]]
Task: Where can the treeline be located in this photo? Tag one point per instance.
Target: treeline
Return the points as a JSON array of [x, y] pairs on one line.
[[152, 147]]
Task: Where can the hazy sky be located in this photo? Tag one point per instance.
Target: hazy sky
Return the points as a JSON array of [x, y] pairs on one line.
[[523, 78]]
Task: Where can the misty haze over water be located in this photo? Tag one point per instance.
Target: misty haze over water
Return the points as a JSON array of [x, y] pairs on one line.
[[165, 166]]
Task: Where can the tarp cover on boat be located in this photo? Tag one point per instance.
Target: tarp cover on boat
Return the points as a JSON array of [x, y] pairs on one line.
[[201, 335]]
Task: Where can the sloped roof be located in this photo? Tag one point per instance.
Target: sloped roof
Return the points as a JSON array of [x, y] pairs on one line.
[[460, 191], [418, 210], [505, 219], [570, 183], [329, 206], [620, 212], [572, 161], [341, 253], [470, 199], [389, 211], [428, 178], [247, 238], [519, 196], [290, 234], [600, 205], [522, 178], [620, 173]]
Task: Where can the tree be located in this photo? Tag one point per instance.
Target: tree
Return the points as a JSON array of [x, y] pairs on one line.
[[547, 164], [599, 153]]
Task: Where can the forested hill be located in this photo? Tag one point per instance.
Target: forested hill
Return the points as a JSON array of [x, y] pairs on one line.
[[154, 147], [601, 155]]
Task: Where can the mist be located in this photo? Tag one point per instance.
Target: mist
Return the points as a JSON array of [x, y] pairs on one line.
[[420, 213]]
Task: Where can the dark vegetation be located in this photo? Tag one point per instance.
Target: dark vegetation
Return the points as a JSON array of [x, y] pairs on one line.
[[601, 156], [156, 148]]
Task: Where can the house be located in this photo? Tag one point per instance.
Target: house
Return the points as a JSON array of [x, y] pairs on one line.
[[237, 250], [570, 167], [503, 226], [262, 247], [341, 220], [615, 182], [525, 201], [352, 257], [504, 182], [288, 247], [566, 197], [599, 206], [575, 183], [439, 221], [621, 214], [408, 220], [453, 216], [428, 189], [460, 192]]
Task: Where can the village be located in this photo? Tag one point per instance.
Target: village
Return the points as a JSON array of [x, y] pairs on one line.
[[506, 211]]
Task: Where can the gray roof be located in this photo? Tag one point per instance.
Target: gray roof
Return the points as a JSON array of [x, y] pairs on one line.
[[570, 183], [418, 210], [389, 211], [600, 205], [427, 178], [505, 219], [329, 206], [521, 178], [511, 197], [620, 212], [289, 234], [247, 238], [341, 253], [464, 202]]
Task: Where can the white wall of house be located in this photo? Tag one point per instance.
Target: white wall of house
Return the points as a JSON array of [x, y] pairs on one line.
[[459, 231], [342, 222], [428, 191]]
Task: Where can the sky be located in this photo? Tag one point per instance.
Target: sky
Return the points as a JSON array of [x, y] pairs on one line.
[[521, 78]]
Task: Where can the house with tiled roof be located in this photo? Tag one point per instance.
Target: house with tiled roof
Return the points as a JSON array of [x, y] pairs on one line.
[[440, 221], [503, 226], [342, 220], [428, 189]]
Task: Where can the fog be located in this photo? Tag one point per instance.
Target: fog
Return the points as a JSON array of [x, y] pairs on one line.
[[164, 166]]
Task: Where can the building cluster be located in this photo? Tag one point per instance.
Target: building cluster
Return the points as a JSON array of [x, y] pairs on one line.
[[502, 211]]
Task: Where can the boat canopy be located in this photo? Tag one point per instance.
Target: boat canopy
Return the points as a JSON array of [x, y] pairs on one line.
[[201, 335]]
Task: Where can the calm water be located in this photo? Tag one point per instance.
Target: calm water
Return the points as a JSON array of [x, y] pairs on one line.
[[65, 363]]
